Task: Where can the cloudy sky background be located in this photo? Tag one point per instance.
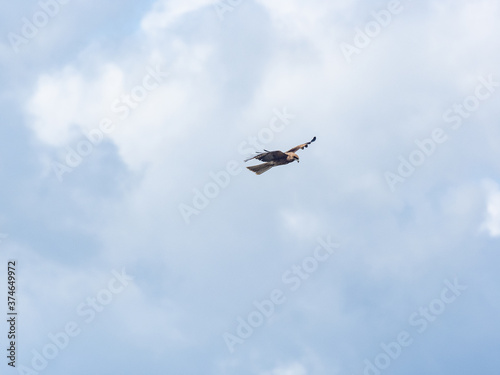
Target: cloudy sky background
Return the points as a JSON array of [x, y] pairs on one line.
[[229, 73]]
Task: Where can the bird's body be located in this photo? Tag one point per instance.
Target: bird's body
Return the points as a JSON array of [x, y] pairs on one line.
[[275, 158]]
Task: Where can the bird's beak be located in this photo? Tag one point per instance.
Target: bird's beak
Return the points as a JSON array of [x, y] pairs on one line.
[[298, 160]]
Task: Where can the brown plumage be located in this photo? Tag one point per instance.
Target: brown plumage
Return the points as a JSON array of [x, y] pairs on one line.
[[275, 158]]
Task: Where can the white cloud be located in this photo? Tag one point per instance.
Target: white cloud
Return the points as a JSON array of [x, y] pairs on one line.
[[301, 225], [159, 319], [290, 369], [480, 19], [492, 222], [166, 12], [68, 102], [188, 127]]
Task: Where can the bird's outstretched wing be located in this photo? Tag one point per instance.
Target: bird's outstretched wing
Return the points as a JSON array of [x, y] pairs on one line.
[[302, 146], [269, 156]]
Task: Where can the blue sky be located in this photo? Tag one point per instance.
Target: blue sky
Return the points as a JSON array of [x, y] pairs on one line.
[[142, 243]]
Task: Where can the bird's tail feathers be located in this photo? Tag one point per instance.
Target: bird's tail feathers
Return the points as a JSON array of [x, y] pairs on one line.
[[261, 168]]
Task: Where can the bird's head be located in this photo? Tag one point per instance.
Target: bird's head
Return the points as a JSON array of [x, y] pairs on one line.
[[292, 156]]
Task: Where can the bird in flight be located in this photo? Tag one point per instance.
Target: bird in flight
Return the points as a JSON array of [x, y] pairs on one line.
[[275, 158]]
